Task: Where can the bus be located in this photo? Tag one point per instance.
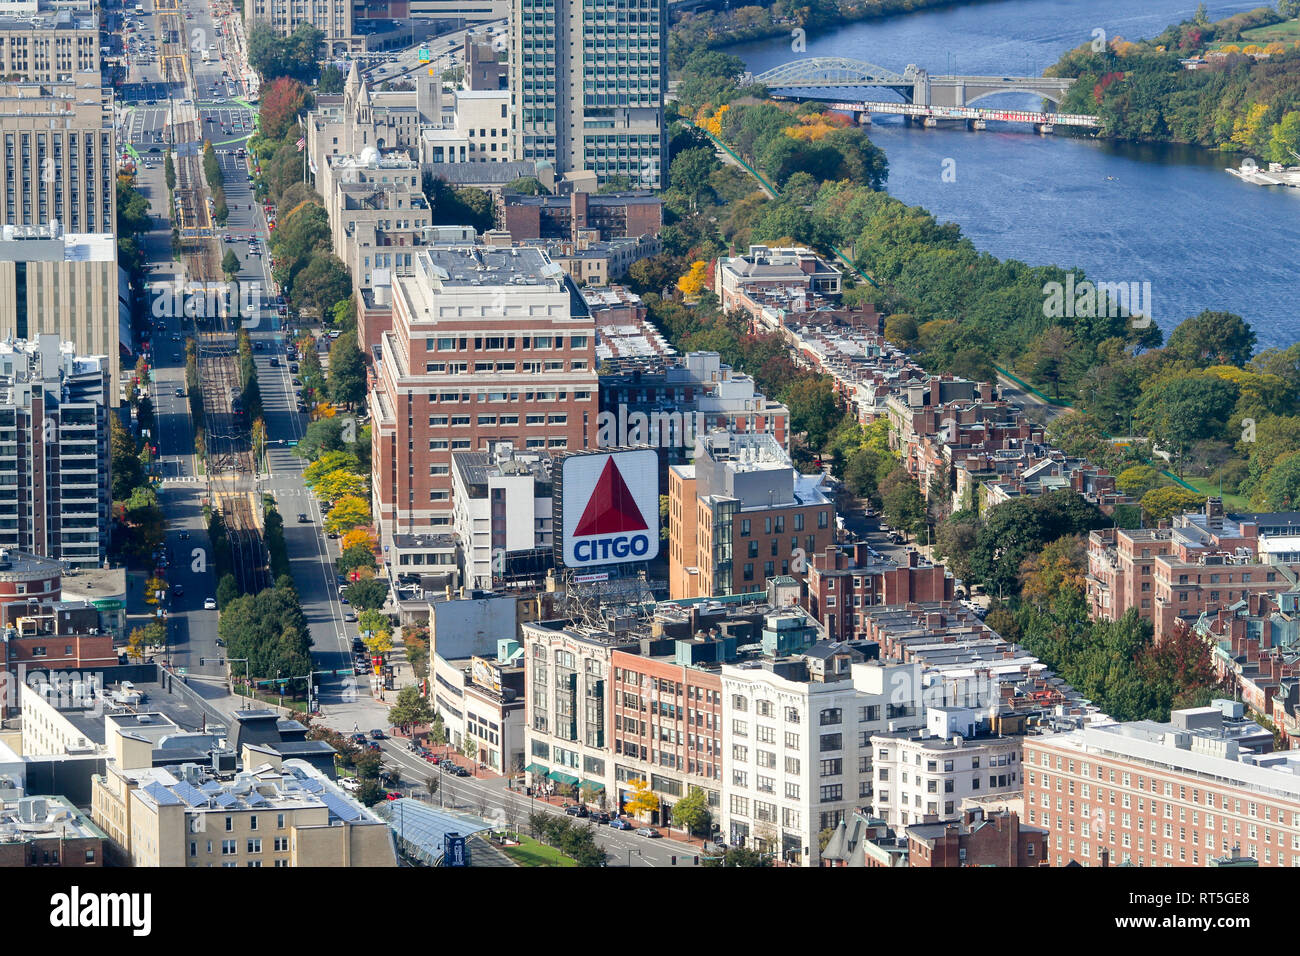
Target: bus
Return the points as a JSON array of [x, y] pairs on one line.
[[139, 9]]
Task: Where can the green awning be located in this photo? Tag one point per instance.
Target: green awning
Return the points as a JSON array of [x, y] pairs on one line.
[[537, 768], [593, 784], [565, 778]]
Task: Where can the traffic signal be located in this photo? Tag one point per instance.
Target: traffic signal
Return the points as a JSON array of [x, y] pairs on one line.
[[697, 861], [674, 859]]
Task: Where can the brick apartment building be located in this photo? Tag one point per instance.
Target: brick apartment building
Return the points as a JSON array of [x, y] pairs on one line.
[[977, 839], [1183, 793], [486, 346], [741, 514], [844, 579], [623, 215], [1203, 562]]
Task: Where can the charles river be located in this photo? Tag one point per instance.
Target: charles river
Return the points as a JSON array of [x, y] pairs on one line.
[[1167, 215]]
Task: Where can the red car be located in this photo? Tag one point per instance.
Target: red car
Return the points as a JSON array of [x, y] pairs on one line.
[[432, 758], [394, 795]]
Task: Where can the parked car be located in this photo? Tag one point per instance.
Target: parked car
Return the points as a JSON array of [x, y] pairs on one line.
[[210, 604], [393, 795], [349, 616], [618, 823], [577, 810], [378, 735], [432, 757], [221, 642], [599, 816], [649, 832], [350, 784]]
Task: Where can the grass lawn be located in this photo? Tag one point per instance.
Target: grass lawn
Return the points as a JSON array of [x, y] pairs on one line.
[[1210, 486], [531, 853], [1286, 33]]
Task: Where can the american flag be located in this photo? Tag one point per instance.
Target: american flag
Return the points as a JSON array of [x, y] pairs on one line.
[[301, 143]]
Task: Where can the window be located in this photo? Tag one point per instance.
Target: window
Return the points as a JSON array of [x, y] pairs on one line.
[[832, 742], [832, 793], [228, 848], [832, 768], [255, 845], [831, 716]]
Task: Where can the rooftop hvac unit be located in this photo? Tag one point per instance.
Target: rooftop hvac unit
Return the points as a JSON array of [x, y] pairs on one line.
[[31, 809]]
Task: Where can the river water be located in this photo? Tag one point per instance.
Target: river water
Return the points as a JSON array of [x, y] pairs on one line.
[[1167, 215]]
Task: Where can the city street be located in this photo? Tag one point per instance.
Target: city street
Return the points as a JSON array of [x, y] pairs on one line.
[[490, 799], [193, 630]]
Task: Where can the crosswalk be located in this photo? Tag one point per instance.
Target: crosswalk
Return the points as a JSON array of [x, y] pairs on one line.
[[182, 480]]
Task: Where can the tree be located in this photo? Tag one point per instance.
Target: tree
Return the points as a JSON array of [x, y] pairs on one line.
[[371, 792], [347, 513], [367, 595], [431, 784], [227, 591], [1160, 504], [739, 856], [331, 461], [411, 709], [692, 814], [282, 100], [643, 800], [324, 281], [438, 731], [689, 172], [1053, 358], [901, 330], [954, 538], [901, 501], [339, 484], [1280, 489], [469, 747], [230, 264], [331, 80], [1137, 480], [694, 281], [1179, 411], [347, 373], [323, 435], [356, 556], [1213, 338]]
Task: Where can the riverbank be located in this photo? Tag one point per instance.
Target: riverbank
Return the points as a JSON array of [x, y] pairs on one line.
[[720, 29]]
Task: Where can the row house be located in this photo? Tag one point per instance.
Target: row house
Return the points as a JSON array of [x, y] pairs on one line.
[[845, 579]]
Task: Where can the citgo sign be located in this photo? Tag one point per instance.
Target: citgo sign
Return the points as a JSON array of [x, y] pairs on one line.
[[610, 508]]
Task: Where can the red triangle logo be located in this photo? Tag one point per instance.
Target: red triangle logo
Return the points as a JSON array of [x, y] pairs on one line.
[[611, 508]]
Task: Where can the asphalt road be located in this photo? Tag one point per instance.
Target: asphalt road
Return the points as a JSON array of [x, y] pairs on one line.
[[193, 630], [489, 799]]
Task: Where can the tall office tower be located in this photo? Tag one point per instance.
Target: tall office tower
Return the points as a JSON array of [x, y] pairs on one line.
[[58, 155], [588, 80]]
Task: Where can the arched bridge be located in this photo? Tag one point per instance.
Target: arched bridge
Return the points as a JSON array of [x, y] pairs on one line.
[[917, 86]]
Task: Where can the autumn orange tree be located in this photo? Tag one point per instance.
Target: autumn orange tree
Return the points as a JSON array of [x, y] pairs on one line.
[[358, 536], [643, 800], [348, 512], [282, 101], [693, 283]]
